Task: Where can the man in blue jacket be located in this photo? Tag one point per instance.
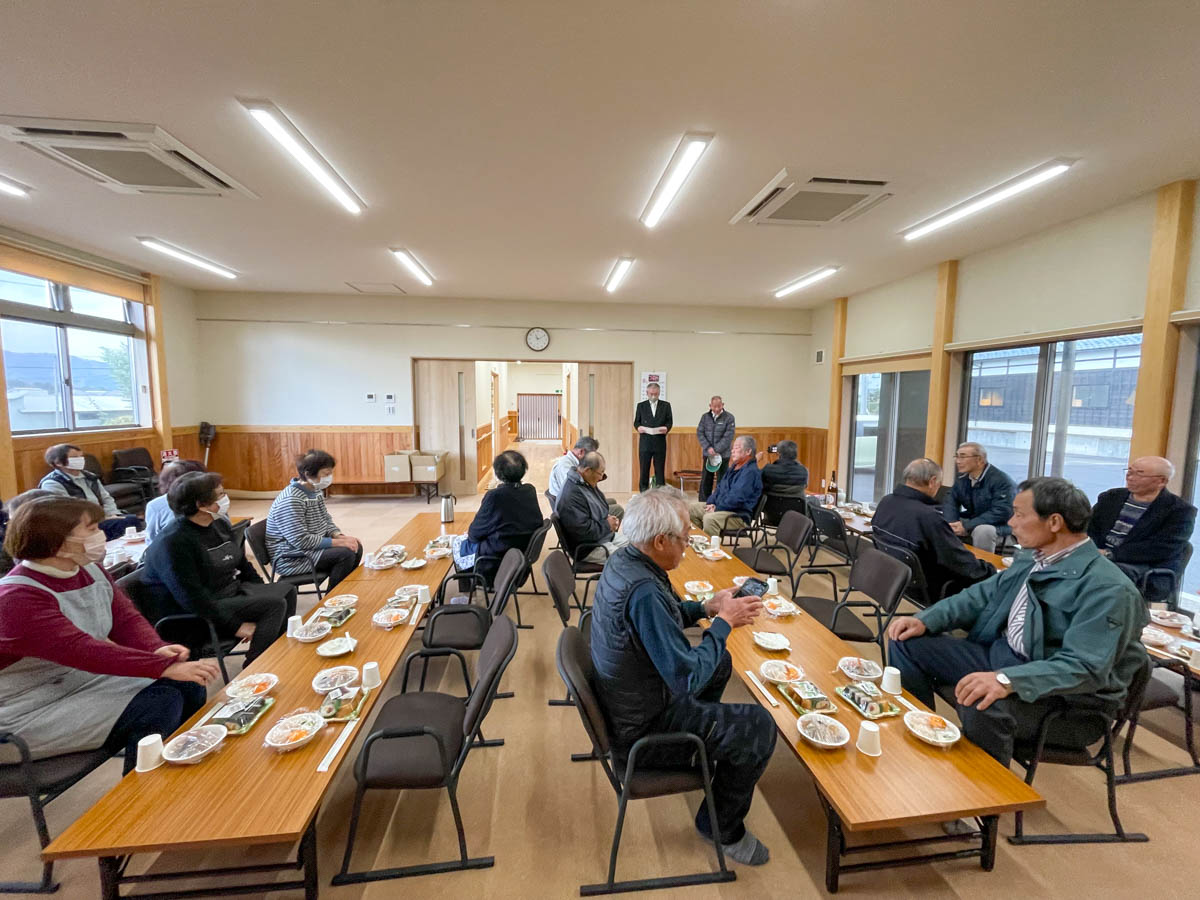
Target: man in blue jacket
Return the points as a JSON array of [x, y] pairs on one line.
[[981, 501], [732, 503]]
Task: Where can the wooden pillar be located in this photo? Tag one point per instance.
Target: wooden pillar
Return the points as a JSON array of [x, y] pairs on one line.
[[8, 458], [157, 353], [836, 352], [939, 359], [1170, 248]]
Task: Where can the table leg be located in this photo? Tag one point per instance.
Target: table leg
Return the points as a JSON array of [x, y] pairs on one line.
[[987, 852], [833, 850], [110, 878], [308, 861]]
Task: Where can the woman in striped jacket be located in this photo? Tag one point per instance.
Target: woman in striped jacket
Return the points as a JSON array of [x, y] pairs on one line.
[[300, 530]]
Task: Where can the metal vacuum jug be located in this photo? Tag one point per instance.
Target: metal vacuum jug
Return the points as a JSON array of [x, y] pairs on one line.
[[447, 508]]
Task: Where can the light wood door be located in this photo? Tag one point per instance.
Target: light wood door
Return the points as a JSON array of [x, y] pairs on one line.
[[444, 406], [606, 413]]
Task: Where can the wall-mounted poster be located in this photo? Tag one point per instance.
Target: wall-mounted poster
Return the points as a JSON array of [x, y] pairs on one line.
[[659, 378]]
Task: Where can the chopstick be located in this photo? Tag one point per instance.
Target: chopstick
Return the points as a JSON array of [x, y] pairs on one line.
[[900, 699], [758, 684], [337, 745]]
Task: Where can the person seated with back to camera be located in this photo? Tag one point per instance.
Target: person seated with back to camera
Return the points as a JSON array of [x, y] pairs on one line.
[[785, 482], [508, 516], [911, 517], [732, 503], [568, 462], [980, 502], [1143, 526], [1061, 625], [650, 679], [80, 668], [298, 522], [70, 479], [583, 511], [158, 511], [201, 561]]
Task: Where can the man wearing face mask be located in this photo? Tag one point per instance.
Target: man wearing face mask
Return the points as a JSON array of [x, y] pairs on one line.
[[301, 535], [68, 478], [204, 567]]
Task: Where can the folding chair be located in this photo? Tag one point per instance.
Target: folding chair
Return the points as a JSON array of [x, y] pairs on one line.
[[751, 529], [588, 571], [256, 534], [791, 536]]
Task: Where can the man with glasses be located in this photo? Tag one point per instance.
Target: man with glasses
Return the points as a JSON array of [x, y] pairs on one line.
[[980, 504], [1143, 526]]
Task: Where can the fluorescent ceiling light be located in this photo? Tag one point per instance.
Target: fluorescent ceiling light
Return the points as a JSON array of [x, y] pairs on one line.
[[417, 270], [1010, 188], [462, 325], [184, 256], [811, 278], [710, 332], [16, 189], [591, 329], [618, 273], [280, 127], [684, 159]]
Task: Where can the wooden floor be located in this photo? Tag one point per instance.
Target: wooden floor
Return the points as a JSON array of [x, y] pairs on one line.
[[549, 821]]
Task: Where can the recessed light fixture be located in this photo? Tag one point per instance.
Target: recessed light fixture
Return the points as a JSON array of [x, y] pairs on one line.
[[619, 270], [810, 278], [410, 262], [990, 197], [15, 188], [184, 256], [683, 160], [281, 128]]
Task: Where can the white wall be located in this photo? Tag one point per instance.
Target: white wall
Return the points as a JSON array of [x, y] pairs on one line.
[[816, 379], [893, 318], [301, 372], [180, 340], [533, 378], [1086, 272], [483, 390], [1191, 298]]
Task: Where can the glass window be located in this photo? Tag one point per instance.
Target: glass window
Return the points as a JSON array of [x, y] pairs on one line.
[[18, 288], [102, 384], [33, 371], [889, 430], [90, 303], [1000, 406]]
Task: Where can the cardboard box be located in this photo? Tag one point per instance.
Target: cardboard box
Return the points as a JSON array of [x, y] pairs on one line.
[[428, 465], [397, 467]]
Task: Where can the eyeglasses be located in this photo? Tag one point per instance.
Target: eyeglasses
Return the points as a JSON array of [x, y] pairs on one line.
[[1140, 474], [965, 455]]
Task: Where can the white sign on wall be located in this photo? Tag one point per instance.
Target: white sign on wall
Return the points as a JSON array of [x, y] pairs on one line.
[[659, 378]]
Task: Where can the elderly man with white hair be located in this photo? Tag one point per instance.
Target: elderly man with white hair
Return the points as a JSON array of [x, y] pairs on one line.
[[732, 503], [980, 503], [651, 680], [1143, 526]]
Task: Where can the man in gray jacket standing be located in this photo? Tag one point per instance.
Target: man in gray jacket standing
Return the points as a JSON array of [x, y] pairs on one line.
[[715, 434]]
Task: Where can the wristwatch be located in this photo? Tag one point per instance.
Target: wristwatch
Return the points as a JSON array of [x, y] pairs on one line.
[[1003, 679]]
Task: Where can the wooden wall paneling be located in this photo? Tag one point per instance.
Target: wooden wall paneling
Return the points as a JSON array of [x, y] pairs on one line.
[[940, 359], [187, 442], [610, 414], [683, 450], [483, 451], [1170, 250], [836, 352], [29, 450]]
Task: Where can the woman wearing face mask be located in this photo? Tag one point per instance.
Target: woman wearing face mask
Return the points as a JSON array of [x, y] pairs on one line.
[[198, 560], [299, 529], [79, 666], [68, 478]]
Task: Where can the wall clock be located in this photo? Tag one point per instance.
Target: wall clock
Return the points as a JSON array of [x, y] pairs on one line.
[[537, 339]]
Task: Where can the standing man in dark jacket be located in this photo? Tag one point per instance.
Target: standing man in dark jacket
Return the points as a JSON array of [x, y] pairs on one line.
[[652, 420], [651, 680], [909, 517], [1143, 526], [715, 434], [584, 514], [785, 482], [981, 502]]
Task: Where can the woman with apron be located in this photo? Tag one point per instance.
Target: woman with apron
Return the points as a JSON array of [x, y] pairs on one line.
[[80, 668], [198, 559]]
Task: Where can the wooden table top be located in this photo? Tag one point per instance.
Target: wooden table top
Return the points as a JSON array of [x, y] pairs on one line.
[[861, 524], [246, 793], [1161, 652], [911, 782]]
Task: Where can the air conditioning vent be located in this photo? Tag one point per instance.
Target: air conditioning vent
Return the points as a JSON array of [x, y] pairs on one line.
[[794, 199], [126, 157]]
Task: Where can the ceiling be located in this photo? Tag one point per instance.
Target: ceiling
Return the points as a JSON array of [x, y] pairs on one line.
[[512, 146]]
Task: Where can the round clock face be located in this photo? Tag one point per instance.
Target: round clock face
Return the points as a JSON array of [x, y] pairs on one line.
[[537, 339]]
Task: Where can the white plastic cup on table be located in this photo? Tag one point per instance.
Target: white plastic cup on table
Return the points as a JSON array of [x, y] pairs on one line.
[[370, 676], [131, 531], [368, 559], [423, 593], [891, 680], [714, 542], [293, 623], [868, 739], [1194, 662], [772, 586], [149, 752]]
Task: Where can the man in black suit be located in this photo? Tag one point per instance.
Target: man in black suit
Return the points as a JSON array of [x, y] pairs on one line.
[[652, 419], [1143, 526]]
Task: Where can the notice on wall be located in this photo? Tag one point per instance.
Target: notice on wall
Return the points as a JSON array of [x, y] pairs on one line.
[[169, 455], [649, 378]]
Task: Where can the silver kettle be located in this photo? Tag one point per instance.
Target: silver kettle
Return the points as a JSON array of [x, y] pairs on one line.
[[447, 508]]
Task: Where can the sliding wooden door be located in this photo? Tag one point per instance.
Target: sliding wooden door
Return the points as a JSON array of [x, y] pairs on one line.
[[606, 413], [444, 407]]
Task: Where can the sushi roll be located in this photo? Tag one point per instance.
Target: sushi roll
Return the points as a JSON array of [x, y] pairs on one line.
[[873, 708]]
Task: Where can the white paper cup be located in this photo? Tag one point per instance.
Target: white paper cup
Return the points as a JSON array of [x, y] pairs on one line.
[[423, 593], [370, 676], [714, 541], [368, 559], [1195, 660], [891, 680], [149, 753], [772, 586], [868, 739], [131, 531], [293, 623]]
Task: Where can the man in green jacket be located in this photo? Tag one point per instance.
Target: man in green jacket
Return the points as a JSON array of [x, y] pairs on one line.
[[1061, 624]]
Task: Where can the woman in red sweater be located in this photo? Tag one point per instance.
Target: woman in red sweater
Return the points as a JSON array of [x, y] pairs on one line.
[[80, 668]]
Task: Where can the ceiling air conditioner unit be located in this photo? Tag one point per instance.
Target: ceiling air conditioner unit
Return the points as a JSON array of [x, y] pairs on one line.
[[125, 157], [793, 199]]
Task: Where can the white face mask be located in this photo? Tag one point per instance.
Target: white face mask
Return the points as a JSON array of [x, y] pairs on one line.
[[222, 507], [76, 462], [93, 549], [322, 484]]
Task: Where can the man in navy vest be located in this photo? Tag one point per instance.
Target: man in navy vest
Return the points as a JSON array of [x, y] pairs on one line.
[[68, 478], [651, 680]]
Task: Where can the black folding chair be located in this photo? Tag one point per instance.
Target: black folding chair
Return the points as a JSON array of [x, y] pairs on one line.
[[791, 537], [1171, 576], [829, 533], [630, 782], [588, 571], [1160, 695], [480, 576], [751, 529], [256, 534], [420, 742], [1041, 750], [560, 579]]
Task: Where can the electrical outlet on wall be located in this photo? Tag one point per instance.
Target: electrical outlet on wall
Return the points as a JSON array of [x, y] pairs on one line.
[[389, 410], [369, 397]]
